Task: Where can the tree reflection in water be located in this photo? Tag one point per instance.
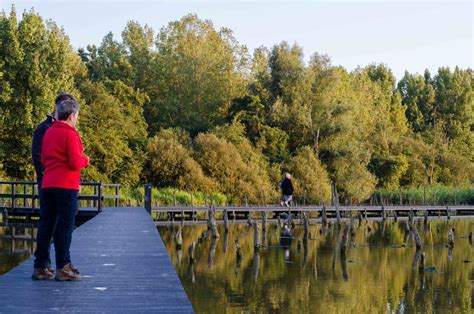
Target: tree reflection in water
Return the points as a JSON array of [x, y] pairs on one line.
[[378, 270]]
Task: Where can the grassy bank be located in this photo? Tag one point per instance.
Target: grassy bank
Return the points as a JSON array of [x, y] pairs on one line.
[[433, 195]]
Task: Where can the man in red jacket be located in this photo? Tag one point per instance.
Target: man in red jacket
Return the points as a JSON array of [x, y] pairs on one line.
[[63, 158]]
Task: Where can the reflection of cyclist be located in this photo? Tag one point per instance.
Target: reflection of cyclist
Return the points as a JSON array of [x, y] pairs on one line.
[[287, 190]]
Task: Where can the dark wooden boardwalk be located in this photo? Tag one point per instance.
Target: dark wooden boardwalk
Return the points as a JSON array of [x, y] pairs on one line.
[[124, 265]]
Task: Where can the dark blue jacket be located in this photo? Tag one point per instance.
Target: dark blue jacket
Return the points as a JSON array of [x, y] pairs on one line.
[[37, 144], [286, 187]]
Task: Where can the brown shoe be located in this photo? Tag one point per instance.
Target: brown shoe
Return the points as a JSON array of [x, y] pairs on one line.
[[74, 269], [50, 269], [42, 274], [67, 274]]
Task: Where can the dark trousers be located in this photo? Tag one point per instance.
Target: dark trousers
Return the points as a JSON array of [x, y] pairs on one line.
[[40, 182], [58, 208]]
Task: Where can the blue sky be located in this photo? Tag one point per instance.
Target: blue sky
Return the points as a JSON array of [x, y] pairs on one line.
[[402, 34]]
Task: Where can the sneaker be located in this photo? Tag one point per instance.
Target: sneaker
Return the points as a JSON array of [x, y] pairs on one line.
[[50, 269], [67, 274], [42, 274], [74, 269]]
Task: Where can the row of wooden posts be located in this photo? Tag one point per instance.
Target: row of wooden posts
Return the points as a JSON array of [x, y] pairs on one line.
[[214, 233]]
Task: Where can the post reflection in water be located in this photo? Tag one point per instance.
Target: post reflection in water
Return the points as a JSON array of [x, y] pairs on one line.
[[367, 267]]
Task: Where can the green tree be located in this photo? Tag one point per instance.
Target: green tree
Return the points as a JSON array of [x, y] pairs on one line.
[[309, 176], [37, 62], [169, 163], [114, 132], [199, 70]]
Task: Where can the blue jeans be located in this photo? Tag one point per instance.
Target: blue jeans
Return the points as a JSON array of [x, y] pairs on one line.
[[58, 208]]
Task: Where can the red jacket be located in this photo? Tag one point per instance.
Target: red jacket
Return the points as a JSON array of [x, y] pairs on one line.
[[62, 157]]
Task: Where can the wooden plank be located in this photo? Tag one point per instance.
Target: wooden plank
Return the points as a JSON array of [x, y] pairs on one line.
[[125, 268]]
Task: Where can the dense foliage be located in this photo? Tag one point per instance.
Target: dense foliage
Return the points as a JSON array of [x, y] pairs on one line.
[[189, 107]]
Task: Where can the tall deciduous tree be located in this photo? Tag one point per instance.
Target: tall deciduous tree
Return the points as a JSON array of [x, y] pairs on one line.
[[199, 70], [37, 62]]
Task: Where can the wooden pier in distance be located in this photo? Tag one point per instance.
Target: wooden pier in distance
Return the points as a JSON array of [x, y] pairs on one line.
[[124, 266], [371, 211]]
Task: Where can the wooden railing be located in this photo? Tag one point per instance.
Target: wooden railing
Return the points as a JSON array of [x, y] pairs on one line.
[[22, 196]]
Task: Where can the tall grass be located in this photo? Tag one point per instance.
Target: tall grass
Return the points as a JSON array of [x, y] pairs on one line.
[[429, 195], [168, 196]]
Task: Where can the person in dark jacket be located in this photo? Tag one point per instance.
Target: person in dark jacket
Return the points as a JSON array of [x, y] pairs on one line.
[[37, 144], [38, 134], [287, 190], [63, 158]]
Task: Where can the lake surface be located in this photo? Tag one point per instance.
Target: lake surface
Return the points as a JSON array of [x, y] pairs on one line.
[[380, 273], [13, 253]]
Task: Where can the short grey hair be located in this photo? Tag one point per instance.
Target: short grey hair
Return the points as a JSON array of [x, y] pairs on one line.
[[65, 108]]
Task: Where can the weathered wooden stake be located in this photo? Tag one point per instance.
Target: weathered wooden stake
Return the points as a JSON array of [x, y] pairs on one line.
[[447, 212], [344, 239], [238, 251], [179, 239], [425, 220], [451, 238], [421, 267], [191, 249], [306, 226], [383, 213], [264, 221], [249, 220], [256, 237], [417, 238], [324, 217], [226, 221], [211, 224]]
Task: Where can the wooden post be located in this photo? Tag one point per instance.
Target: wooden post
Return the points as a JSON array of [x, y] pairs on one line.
[[383, 213], [264, 221], [447, 212], [306, 226], [451, 238], [249, 220], [147, 197], [344, 239], [256, 237], [13, 196], [226, 221], [117, 194], [324, 217], [179, 239], [421, 267], [417, 238], [336, 200], [212, 224], [191, 249], [425, 219], [238, 251]]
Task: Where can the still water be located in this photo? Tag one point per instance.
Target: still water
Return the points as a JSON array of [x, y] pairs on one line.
[[380, 273], [14, 252]]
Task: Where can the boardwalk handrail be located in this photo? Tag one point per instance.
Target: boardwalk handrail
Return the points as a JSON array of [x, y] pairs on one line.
[[30, 192]]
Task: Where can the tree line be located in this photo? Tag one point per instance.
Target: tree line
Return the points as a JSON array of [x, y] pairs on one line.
[[190, 107]]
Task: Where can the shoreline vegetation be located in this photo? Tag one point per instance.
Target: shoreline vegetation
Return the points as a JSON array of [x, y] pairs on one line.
[[189, 108]]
